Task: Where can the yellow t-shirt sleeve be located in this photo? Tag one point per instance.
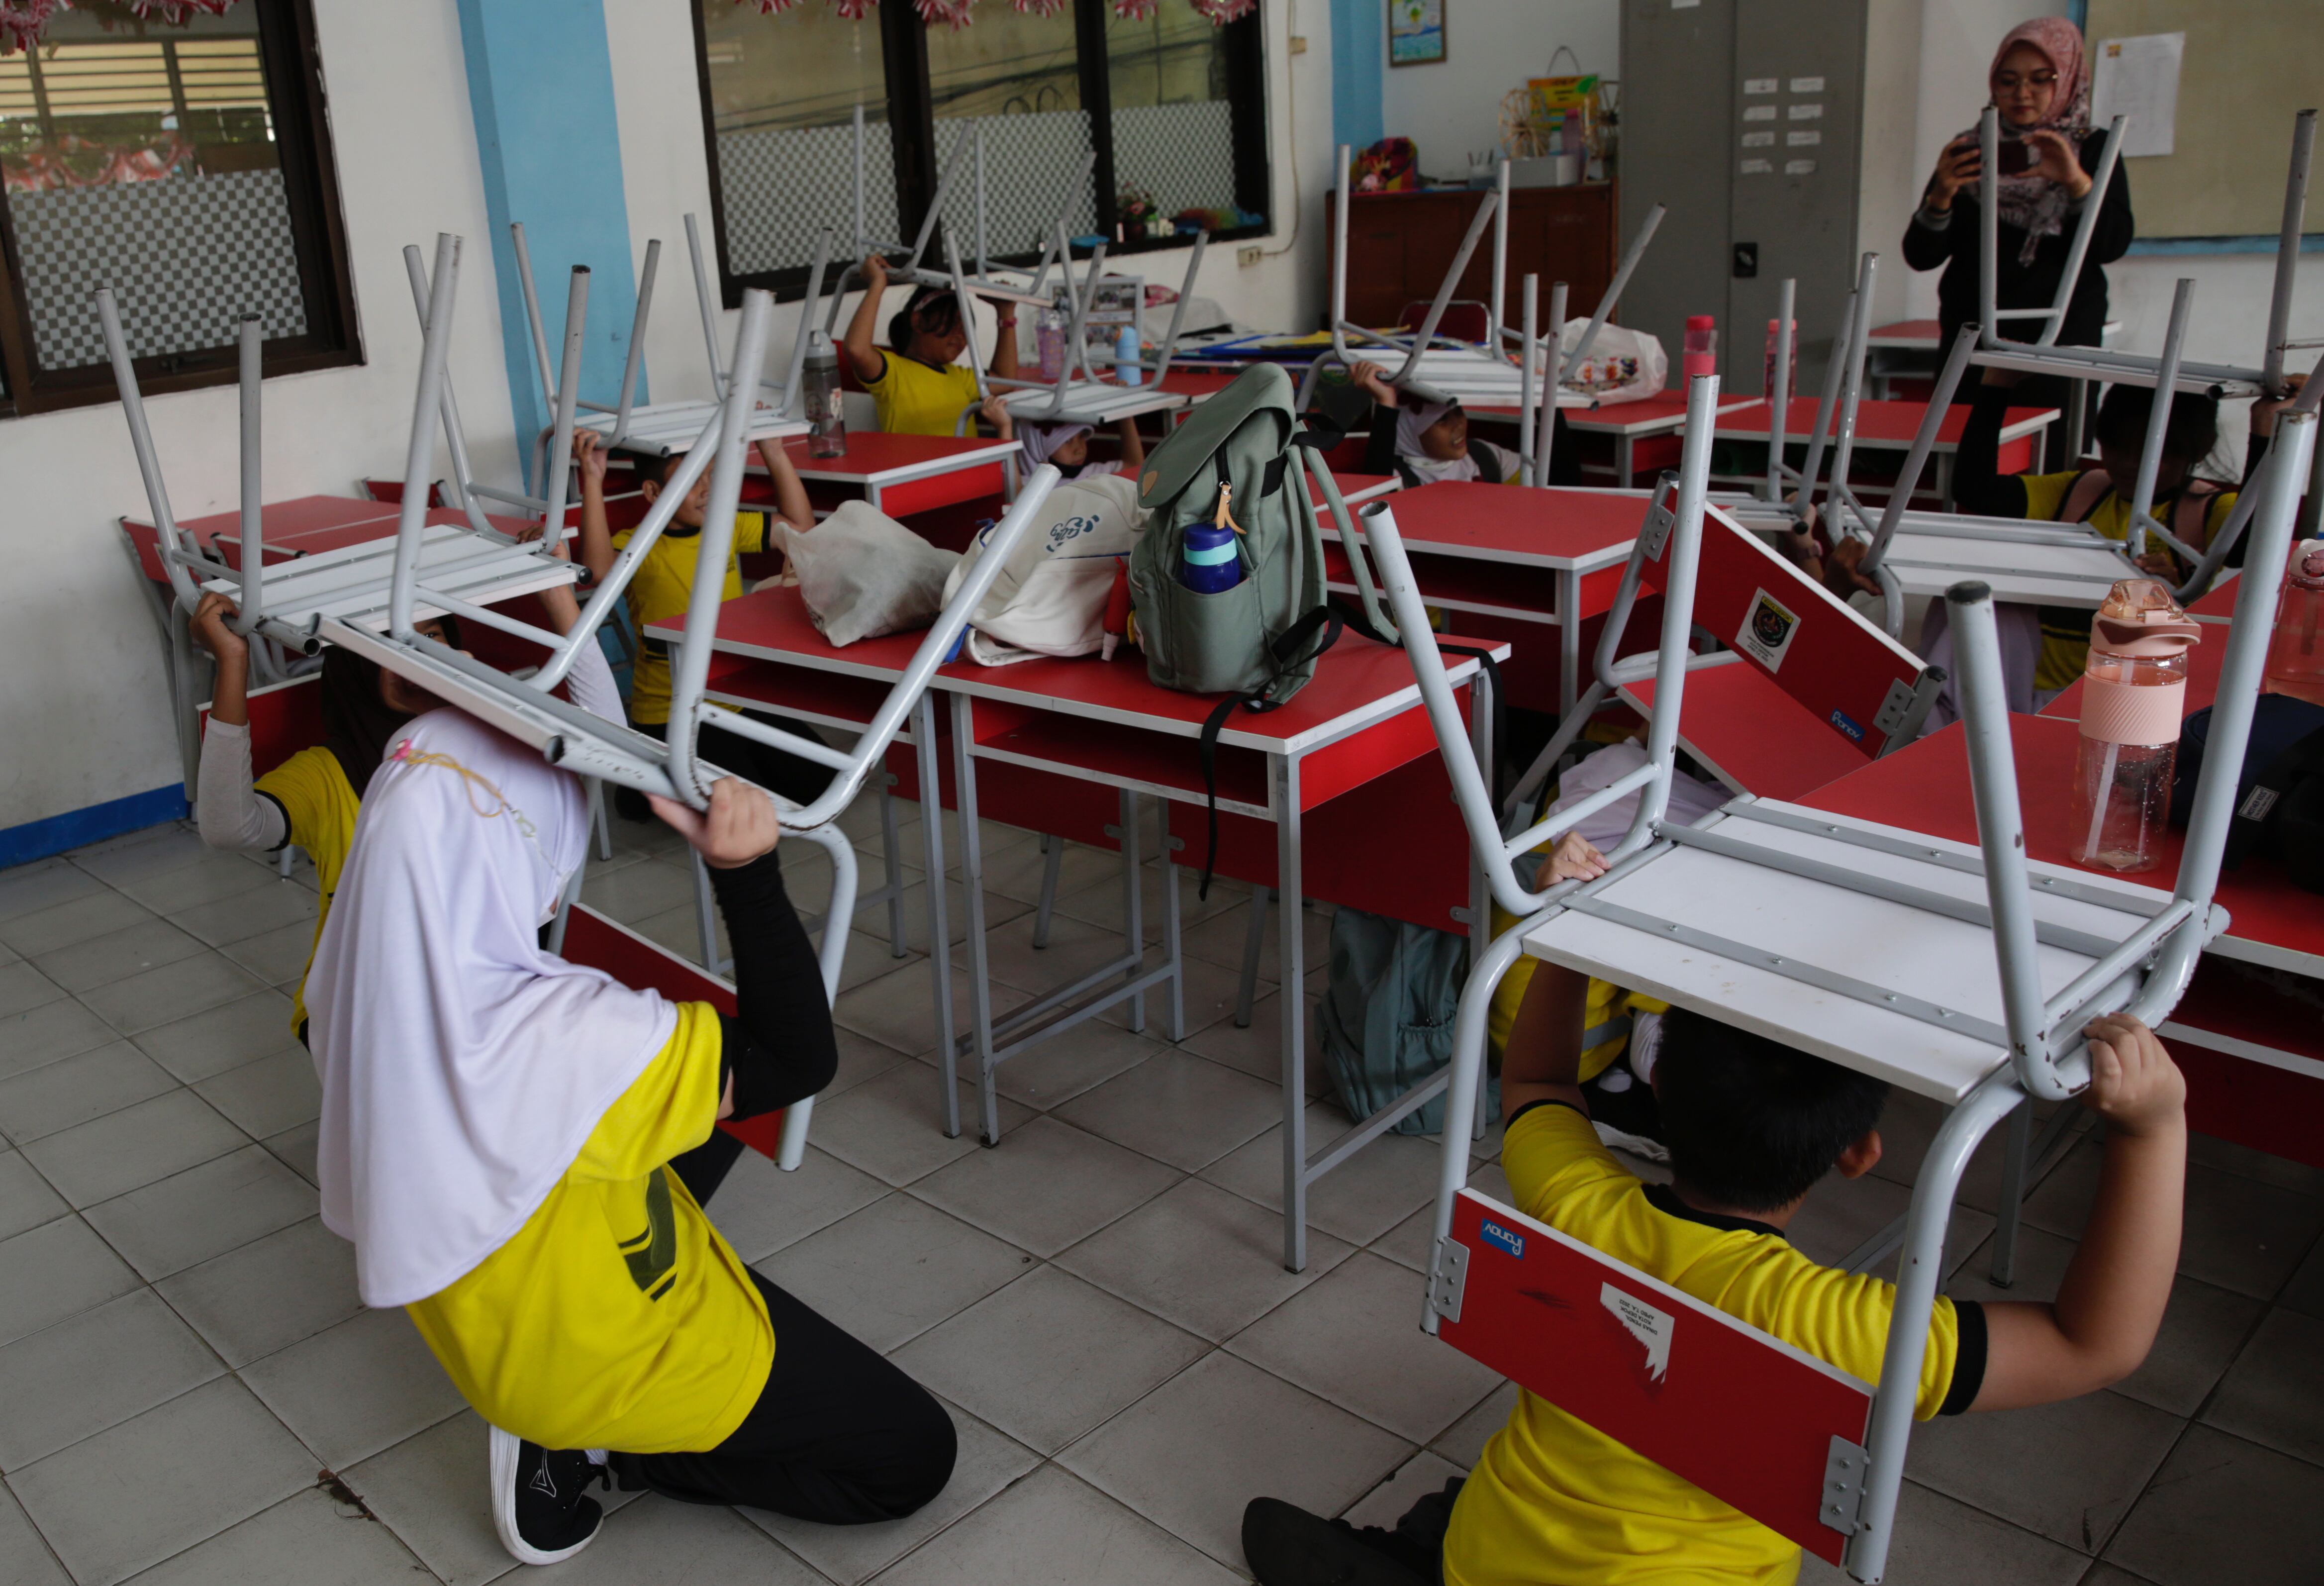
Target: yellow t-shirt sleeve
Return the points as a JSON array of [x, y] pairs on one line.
[[2045, 494], [669, 1110], [302, 786], [750, 531]]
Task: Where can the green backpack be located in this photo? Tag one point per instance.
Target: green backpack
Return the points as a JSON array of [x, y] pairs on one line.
[[1258, 642]]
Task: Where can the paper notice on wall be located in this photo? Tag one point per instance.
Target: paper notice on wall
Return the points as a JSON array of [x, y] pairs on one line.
[[1758, 168], [1759, 85], [1758, 113], [1802, 140], [2139, 77], [1760, 140]]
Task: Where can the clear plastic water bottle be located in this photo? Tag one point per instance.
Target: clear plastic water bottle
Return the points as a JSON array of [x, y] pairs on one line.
[[2134, 692], [1701, 352], [2295, 656], [1126, 367], [826, 408], [1050, 338]]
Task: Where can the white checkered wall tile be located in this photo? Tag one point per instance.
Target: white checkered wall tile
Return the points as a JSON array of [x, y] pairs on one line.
[[782, 186], [187, 256], [1182, 154]]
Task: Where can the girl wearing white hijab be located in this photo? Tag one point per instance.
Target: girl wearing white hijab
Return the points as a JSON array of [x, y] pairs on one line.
[[498, 1132], [1065, 446], [1433, 443]]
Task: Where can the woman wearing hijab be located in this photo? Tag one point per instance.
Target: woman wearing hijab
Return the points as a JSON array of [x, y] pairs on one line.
[[312, 798], [2040, 83], [496, 1136]]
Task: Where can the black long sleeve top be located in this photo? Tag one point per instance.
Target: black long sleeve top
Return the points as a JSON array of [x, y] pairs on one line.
[[1950, 240], [778, 1047]]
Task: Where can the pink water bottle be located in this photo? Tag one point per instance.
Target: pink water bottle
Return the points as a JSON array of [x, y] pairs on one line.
[[2295, 660], [2134, 689], [1701, 351], [1776, 330]]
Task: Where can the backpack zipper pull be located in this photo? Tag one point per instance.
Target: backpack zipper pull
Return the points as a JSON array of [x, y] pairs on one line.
[[1222, 519]]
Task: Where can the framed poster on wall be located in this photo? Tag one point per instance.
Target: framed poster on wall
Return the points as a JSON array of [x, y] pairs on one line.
[[1415, 32]]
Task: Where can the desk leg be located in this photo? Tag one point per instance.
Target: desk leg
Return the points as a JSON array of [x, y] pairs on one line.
[[923, 732], [1293, 1009], [1568, 656], [185, 696], [972, 884], [1133, 906], [1944, 483], [1624, 450], [1481, 896], [1247, 993], [2015, 1154], [871, 496], [1173, 955], [888, 857]]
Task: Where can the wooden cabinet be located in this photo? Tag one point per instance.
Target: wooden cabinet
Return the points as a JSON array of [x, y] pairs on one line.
[[1400, 244]]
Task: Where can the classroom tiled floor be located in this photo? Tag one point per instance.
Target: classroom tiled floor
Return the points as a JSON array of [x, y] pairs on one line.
[[190, 1391]]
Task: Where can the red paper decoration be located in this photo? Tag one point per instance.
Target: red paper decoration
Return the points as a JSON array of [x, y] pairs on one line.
[[1222, 11], [22, 22], [953, 12], [1040, 8], [1134, 10]]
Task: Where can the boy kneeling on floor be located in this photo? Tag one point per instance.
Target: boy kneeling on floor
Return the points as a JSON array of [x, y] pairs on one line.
[[1751, 1125]]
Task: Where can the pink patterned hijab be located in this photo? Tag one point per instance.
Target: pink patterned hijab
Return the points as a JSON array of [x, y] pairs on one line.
[[2033, 202]]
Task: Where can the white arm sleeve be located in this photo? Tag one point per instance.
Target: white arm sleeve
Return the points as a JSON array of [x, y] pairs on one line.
[[232, 813], [590, 685]]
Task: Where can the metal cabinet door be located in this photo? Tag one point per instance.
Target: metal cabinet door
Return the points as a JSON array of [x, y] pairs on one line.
[[1678, 81]]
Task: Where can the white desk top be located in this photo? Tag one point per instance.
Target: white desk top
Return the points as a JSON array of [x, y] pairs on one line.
[[670, 428], [1929, 562], [1891, 945]]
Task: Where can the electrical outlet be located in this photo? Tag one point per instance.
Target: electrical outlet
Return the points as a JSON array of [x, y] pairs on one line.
[[1251, 255], [1299, 43]]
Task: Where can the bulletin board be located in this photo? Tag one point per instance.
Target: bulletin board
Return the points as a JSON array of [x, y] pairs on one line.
[[2249, 67]]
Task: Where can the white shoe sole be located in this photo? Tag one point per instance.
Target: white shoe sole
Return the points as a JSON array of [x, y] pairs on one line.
[[505, 1448], [1616, 1139]]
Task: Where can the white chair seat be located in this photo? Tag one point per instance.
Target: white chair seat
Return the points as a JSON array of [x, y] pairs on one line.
[[350, 584]]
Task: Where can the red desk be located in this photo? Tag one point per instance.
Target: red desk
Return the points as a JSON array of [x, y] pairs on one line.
[[1513, 561], [1889, 426], [1655, 421], [280, 521], [2217, 605], [1761, 741], [1349, 758], [2270, 924], [905, 474]]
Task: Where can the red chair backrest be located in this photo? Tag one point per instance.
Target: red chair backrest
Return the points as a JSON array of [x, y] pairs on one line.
[[1742, 1414], [631, 959], [1462, 321], [1817, 647]]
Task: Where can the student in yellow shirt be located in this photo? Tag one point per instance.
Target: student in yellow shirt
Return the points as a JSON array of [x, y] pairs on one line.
[[917, 381], [663, 586], [310, 800], [1751, 1126], [497, 1139]]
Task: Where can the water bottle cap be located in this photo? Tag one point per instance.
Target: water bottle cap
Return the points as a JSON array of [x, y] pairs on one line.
[[1707, 322], [2141, 619], [2307, 569]]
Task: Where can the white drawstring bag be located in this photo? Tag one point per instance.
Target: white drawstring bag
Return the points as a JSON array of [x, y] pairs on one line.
[[863, 574], [1623, 366], [1050, 599]]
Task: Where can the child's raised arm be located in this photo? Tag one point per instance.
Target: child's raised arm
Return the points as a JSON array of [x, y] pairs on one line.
[[597, 538], [791, 504], [867, 360], [2098, 1329], [1133, 447]]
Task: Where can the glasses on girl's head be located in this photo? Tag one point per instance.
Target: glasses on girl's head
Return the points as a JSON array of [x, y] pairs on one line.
[[2040, 80]]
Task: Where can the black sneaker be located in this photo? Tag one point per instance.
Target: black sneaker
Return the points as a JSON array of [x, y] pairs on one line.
[[540, 1502], [1285, 1545]]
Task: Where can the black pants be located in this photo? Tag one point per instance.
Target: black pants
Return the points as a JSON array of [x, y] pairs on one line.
[[703, 1168], [838, 1434], [797, 779]]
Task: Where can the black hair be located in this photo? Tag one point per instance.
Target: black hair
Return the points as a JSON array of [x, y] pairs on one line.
[[933, 310], [2187, 434], [1751, 1122], [654, 465]]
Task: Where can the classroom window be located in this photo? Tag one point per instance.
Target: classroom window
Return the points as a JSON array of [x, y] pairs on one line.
[[1153, 97], [186, 166]]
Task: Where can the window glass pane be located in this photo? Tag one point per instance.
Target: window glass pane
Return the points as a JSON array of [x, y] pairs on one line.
[[783, 93], [1020, 74], [145, 159], [1173, 128]]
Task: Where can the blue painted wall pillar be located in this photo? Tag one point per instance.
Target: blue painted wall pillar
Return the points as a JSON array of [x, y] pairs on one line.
[[540, 82], [1358, 44]]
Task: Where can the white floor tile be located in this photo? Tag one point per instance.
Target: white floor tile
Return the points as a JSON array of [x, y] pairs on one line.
[[151, 1487], [1048, 1357], [760, 1209], [47, 1033], [25, 1559], [431, 1492], [284, 906], [306, 1540], [191, 985], [887, 1126], [76, 1090], [54, 1271], [1178, 1108], [201, 1046], [1419, 1477], [270, 1294], [1047, 1185], [32, 887], [1357, 1200], [210, 877], [23, 988], [190, 1217], [849, 1272], [125, 1150], [355, 1388], [673, 1544], [1053, 1530], [26, 1201], [1462, 1443], [268, 1096], [95, 1370], [97, 912], [150, 943]]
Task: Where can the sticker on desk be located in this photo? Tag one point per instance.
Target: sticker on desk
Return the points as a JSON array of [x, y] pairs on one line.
[[1758, 168], [1643, 1322], [1493, 1233], [1758, 113], [1850, 728], [1804, 112], [1799, 168], [1802, 140], [1767, 631], [1759, 85], [1807, 85]]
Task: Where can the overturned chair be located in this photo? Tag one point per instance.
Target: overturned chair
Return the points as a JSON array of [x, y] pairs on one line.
[[1865, 945], [573, 738]]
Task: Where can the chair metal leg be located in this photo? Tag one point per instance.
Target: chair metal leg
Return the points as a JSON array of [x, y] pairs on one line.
[[1172, 952], [1133, 906], [706, 918], [1053, 858], [1253, 942], [2013, 1162], [897, 948], [599, 822], [924, 739]]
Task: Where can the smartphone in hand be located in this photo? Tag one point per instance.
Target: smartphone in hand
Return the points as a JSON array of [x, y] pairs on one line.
[[2016, 157]]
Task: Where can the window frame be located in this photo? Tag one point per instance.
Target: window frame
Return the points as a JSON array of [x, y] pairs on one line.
[[290, 55], [911, 118]]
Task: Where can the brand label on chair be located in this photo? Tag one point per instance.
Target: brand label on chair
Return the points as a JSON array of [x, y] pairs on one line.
[[1768, 627], [1644, 1322]]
